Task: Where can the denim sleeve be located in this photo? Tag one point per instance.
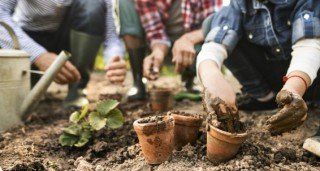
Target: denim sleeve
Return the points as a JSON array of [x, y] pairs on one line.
[[226, 27], [306, 20]]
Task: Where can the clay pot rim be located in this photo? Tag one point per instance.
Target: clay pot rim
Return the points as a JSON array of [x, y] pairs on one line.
[[192, 121], [231, 135], [165, 121]]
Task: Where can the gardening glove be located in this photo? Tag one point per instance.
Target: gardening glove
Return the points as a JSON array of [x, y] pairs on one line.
[[292, 115], [225, 116]]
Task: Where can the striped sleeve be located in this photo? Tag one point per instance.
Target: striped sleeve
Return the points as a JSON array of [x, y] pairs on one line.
[[30, 46], [113, 45]]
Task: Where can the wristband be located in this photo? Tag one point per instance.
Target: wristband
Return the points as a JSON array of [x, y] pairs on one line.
[[286, 78]]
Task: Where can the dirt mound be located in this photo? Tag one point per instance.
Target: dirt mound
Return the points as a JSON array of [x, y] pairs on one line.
[[35, 146]]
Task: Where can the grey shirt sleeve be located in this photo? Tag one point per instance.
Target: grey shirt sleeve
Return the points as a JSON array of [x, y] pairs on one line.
[[27, 44]]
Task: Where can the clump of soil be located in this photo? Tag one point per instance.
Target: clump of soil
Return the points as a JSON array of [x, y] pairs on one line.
[[152, 119], [221, 115]]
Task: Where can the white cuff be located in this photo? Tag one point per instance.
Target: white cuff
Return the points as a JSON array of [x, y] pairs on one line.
[[306, 57], [212, 51]]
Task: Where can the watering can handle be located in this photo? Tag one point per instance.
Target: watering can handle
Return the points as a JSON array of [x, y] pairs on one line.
[[16, 44]]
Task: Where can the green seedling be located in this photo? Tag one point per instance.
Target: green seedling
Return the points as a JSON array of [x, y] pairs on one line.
[[84, 123]]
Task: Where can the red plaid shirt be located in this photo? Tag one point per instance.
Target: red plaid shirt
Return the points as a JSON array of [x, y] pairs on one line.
[[153, 14]]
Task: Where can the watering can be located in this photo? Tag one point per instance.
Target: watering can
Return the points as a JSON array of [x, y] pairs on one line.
[[16, 98]]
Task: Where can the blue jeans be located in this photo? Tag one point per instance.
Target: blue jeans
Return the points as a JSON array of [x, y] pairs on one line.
[[258, 75]]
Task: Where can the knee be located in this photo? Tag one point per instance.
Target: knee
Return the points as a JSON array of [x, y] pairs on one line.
[[89, 13]]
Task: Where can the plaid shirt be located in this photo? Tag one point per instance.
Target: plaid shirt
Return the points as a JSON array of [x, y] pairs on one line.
[[153, 14]]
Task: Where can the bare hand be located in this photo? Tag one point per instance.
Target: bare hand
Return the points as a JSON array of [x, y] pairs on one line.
[[67, 74], [116, 70], [292, 115], [183, 53], [226, 115], [152, 65]]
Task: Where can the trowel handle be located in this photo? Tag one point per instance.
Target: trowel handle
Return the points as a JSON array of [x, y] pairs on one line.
[[45, 81]]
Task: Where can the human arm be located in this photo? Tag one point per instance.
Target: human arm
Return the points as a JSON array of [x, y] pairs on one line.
[[303, 69], [38, 55], [30, 46], [183, 50], [153, 62], [216, 49], [116, 67], [151, 21]]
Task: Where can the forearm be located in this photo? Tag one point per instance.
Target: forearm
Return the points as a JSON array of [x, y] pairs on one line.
[[151, 21], [113, 45], [26, 43], [160, 48], [297, 83], [209, 73], [195, 36], [304, 65]]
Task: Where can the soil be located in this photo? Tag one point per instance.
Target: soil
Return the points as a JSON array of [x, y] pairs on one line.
[[154, 124], [34, 146], [183, 113]]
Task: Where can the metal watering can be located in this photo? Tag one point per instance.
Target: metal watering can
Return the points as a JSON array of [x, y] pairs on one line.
[[16, 98]]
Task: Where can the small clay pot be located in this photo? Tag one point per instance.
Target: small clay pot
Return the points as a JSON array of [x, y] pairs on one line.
[[161, 99], [223, 146], [186, 128], [156, 139]]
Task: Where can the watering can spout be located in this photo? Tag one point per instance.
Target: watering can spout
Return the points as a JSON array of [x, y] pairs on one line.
[[43, 84]]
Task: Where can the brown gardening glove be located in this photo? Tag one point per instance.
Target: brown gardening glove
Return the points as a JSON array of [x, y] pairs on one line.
[[292, 115], [224, 116]]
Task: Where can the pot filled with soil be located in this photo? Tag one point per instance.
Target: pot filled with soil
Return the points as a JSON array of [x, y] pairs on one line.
[[186, 128], [222, 145], [225, 131], [161, 99], [156, 138]]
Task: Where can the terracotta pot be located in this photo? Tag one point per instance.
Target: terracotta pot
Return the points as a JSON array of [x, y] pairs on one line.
[[223, 146], [186, 128], [156, 139], [161, 99]]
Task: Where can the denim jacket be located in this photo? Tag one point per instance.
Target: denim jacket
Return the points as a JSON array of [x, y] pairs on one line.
[[274, 27]]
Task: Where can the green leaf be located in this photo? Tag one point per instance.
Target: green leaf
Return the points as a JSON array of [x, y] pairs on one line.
[[115, 119], [104, 107], [68, 139], [73, 129], [75, 117], [84, 111], [97, 121], [84, 138]]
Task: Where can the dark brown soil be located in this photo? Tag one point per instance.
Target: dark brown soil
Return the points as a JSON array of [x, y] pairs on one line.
[[152, 119], [183, 113], [34, 146]]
